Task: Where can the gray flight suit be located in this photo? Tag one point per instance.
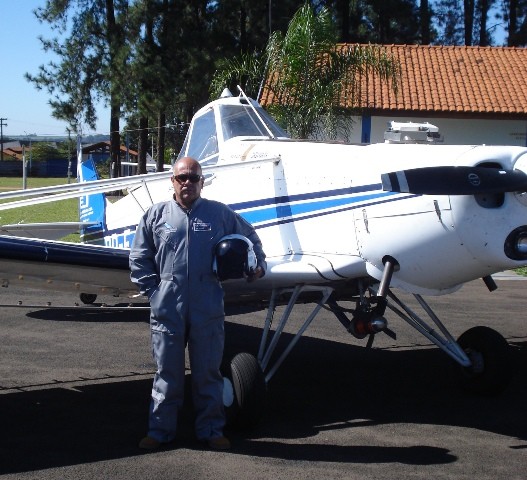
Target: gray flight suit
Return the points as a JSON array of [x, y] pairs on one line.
[[171, 262]]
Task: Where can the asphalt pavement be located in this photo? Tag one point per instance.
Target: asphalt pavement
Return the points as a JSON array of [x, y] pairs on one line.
[[75, 383]]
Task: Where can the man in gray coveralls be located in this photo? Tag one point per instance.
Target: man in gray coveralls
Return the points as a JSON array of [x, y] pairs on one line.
[[171, 262]]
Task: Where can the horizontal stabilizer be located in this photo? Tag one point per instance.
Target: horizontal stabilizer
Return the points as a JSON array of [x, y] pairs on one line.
[[450, 180], [48, 231]]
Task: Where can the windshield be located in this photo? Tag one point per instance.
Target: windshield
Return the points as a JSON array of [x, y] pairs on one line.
[[202, 141], [242, 121]]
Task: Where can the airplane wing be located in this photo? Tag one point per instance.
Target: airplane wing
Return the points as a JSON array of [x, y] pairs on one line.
[[38, 263], [96, 269]]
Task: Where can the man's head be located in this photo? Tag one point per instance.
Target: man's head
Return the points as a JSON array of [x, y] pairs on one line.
[[187, 181]]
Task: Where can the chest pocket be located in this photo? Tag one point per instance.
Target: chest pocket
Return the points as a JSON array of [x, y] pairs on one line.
[[167, 236]]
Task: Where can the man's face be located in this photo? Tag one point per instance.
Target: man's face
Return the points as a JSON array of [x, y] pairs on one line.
[[187, 181]]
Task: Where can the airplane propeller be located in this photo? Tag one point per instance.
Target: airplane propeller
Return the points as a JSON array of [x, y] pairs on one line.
[[451, 180]]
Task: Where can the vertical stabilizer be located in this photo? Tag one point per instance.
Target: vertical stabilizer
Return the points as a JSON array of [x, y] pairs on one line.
[[91, 207]]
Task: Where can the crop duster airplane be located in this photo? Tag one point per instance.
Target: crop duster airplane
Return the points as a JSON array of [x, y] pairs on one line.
[[338, 222]]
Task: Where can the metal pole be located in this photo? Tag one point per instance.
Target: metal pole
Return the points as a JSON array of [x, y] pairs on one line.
[[127, 155], [30, 154], [2, 125], [29, 140], [69, 154], [24, 174]]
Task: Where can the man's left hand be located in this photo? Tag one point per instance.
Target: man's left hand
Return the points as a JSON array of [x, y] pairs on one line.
[[257, 273]]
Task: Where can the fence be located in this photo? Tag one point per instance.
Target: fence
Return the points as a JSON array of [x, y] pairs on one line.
[[42, 168]]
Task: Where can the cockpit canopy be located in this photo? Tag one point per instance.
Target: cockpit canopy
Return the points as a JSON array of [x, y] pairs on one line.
[[223, 119]]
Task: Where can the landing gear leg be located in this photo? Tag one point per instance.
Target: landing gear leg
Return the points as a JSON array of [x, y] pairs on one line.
[[244, 380], [482, 353], [368, 316]]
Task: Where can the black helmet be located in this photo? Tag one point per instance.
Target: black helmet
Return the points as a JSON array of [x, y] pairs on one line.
[[233, 257]]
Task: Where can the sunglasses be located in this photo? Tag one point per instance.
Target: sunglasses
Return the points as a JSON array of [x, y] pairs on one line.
[[183, 177]]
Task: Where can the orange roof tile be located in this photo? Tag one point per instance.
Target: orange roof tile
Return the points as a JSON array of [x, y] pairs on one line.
[[448, 79]]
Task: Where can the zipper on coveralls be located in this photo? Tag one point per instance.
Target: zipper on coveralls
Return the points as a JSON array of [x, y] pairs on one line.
[[187, 213]]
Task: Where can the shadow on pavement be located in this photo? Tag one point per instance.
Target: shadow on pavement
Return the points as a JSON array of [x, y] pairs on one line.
[[96, 314], [323, 386]]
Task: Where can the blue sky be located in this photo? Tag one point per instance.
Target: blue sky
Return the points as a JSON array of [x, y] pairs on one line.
[[26, 108]]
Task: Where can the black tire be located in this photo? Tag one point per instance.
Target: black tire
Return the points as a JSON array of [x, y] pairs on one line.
[[490, 353], [244, 391], [88, 298]]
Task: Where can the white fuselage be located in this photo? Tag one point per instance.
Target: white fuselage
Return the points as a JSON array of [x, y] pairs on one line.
[[322, 215]]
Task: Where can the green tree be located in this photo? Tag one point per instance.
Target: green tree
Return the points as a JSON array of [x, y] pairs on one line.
[[307, 73], [514, 14], [425, 14], [448, 22], [41, 151], [93, 56], [382, 22], [464, 22], [169, 70], [239, 25]]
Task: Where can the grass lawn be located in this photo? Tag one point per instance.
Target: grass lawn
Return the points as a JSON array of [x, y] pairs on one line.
[[15, 183], [521, 271]]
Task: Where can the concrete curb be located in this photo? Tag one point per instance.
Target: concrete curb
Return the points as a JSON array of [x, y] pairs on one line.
[[508, 275]]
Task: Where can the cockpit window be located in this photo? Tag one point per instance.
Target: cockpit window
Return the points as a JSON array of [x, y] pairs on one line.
[[241, 121], [203, 143], [238, 120]]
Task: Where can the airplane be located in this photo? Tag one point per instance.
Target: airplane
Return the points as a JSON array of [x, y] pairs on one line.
[[343, 226]]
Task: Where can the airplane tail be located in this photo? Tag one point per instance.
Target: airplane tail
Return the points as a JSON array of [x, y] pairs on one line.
[[92, 208]]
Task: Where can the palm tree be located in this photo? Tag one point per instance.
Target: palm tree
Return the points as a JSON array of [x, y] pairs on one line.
[[308, 73]]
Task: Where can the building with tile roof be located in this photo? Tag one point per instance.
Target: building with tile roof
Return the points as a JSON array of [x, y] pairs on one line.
[[473, 94]]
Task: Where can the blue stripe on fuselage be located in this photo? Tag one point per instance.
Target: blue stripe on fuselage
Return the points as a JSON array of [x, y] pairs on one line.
[[285, 207], [282, 211], [304, 196]]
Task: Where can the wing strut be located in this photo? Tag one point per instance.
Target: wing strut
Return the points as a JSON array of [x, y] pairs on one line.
[[144, 185]]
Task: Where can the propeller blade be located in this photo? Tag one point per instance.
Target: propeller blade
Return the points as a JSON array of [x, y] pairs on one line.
[[454, 180]]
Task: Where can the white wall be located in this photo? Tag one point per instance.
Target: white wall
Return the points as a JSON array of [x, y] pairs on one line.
[[455, 131]]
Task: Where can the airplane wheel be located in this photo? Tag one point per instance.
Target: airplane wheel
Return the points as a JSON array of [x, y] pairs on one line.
[[244, 391], [88, 298], [491, 369]]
